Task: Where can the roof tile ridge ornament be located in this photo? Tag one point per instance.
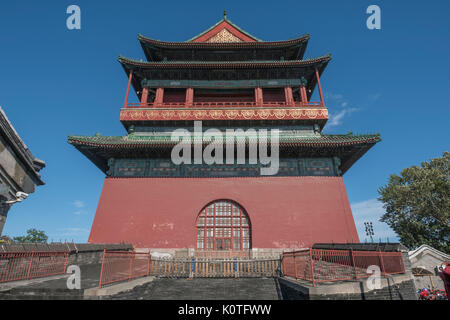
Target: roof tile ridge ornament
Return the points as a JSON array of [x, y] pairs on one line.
[[237, 27], [140, 37], [225, 19]]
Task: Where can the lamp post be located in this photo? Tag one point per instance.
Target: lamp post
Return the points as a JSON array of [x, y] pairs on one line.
[[369, 230]]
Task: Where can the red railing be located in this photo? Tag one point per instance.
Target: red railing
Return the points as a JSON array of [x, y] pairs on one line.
[[120, 266], [318, 265], [123, 265], [27, 265], [223, 104]]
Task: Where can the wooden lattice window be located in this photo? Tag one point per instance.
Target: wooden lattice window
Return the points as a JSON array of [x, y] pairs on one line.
[[223, 225]]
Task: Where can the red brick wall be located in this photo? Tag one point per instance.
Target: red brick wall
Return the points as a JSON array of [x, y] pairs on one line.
[[283, 211]]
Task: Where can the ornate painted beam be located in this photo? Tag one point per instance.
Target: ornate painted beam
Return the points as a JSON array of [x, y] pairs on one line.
[[222, 113]]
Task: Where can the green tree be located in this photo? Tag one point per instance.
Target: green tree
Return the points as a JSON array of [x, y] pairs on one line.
[[33, 236], [417, 204]]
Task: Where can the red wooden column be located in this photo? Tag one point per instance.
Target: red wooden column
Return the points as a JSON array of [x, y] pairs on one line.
[[130, 77], [159, 97], [303, 95], [144, 97], [320, 88], [288, 95], [189, 97], [259, 96]]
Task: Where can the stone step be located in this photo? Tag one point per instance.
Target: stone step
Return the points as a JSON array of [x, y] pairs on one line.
[[204, 289], [41, 294]]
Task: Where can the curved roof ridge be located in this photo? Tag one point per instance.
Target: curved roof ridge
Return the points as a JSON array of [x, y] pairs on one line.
[[424, 247], [145, 39]]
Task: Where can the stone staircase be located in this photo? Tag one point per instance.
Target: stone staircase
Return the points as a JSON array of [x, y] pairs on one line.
[[204, 289], [41, 294]]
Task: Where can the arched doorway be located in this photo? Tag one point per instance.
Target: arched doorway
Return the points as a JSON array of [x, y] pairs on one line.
[[223, 225]]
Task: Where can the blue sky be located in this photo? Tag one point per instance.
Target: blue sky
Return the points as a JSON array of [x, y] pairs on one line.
[[55, 81]]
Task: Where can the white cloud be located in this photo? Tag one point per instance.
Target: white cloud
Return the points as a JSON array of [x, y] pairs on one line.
[[336, 119], [371, 211], [373, 97], [333, 96], [78, 204], [342, 109]]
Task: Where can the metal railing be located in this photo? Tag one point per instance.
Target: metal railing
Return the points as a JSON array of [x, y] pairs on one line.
[[224, 104], [318, 265], [123, 265], [221, 254], [313, 265], [27, 265], [213, 268]]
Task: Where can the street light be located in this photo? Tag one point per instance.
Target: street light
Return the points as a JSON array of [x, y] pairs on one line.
[[369, 230]]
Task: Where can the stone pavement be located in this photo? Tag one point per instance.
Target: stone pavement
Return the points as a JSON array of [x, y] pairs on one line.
[[89, 279], [204, 289]]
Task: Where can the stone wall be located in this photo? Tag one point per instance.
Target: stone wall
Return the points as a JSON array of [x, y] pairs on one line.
[[79, 253], [19, 169], [188, 253], [399, 287], [392, 287], [427, 260]]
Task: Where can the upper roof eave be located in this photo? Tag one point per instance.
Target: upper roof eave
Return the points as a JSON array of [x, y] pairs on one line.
[[206, 45], [130, 65]]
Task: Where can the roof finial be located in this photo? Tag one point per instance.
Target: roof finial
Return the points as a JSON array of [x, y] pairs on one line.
[[224, 14]]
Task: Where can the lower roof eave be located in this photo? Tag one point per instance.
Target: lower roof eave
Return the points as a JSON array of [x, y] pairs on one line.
[[100, 153]]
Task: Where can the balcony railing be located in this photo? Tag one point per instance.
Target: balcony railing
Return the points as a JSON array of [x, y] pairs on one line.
[[225, 104], [225, 110]]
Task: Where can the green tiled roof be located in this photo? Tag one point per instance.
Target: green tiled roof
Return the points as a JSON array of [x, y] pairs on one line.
[[234, 64], [149, 140], [349, 148]]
